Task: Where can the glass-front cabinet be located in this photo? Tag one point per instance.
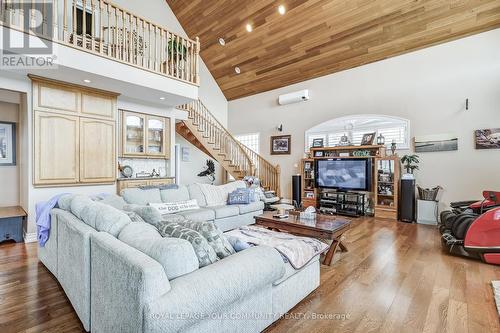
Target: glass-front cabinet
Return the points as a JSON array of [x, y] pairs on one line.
[[133, 133], [144, 135], [156, 136]]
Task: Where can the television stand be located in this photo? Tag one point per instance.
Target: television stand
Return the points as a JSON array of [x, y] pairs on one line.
[[342, 203]]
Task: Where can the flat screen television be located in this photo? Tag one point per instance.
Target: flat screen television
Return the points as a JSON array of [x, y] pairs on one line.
[[344, 174]]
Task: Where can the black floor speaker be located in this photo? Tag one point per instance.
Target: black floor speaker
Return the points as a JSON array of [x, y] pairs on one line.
[[296, 189], [407, 201]]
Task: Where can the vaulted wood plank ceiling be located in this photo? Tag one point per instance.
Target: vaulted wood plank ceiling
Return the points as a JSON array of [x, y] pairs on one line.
[[319, 37]]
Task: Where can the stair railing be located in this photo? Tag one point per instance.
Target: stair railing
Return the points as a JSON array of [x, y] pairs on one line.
[[247, 161], [217, 135]]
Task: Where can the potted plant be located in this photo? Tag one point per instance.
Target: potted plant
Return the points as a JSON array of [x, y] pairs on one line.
[[176, 50], [410, 163]]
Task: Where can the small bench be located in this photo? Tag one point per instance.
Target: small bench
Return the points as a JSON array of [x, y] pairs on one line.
[[11, 223]]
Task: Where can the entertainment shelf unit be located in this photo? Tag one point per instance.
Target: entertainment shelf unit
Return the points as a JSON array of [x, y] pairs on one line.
[[342, 203], [383, 204]]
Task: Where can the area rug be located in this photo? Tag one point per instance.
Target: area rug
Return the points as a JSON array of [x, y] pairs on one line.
[[496, 292]]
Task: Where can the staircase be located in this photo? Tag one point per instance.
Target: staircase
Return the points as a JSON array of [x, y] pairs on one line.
[[205, 132]]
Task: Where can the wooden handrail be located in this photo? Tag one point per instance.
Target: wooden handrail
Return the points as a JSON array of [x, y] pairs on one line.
[[246, 160], [102, 28]]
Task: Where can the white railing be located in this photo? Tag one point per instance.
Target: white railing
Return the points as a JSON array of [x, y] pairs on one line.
[[109, 31]]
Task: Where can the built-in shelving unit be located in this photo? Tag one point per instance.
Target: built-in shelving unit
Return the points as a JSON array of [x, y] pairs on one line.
[[387, 187], [309, 192], [383, 202]]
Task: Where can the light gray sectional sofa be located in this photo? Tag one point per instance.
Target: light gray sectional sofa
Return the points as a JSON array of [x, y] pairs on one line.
[[122, 276], [225, 217]]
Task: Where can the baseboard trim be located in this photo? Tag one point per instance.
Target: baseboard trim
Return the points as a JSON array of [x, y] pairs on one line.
[[30, 237]]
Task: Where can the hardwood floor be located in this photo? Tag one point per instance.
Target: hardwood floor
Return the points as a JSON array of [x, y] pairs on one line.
[[393, 279]]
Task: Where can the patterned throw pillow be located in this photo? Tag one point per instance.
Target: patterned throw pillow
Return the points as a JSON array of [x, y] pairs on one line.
[[205, 253], [213, 235], [134, 217]]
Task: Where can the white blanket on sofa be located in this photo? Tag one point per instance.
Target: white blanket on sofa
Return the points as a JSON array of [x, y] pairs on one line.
[[299, 251]]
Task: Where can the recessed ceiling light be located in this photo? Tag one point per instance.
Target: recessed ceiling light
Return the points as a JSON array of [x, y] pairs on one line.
[[162, 98], [237, 70], [87, 81], [222, 41], [249, 27], [281, 9]]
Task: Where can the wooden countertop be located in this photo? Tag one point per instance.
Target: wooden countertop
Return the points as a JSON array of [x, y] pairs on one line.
[[13, 211]]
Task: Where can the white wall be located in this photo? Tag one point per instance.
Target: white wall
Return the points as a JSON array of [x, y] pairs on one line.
[[9, 175], [429, 87]]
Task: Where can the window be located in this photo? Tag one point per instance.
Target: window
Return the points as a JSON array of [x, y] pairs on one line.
[[250, 140], [392, 128]]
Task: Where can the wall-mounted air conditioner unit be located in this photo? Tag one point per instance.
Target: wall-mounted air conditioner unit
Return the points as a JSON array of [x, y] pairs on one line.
[[295, 97]]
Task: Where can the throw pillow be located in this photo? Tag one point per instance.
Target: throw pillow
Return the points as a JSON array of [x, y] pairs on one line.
[[213, 235], [238, 197], [134, 217], [205, 253], [215, 195], [175, 207], [147, 213], [237, 244]]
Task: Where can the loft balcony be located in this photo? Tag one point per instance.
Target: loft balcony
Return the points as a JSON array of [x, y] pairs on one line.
[[113, 40]]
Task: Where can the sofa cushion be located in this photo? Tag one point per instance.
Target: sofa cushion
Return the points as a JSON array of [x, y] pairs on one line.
[[175, 255], [251, 207], [114, 200], [141, 197], [175, 195], [205, 253], [64, 202], [202, 214], [89, 214], [78, 204], [196, 193], [225, 211], [110, 219], [213, 235]]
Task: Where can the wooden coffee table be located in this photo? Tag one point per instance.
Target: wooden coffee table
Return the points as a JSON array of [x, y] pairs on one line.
[[323, 227]]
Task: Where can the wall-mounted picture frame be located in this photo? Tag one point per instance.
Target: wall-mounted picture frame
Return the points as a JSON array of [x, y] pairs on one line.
[[435, 143], [7, 143], [281, 144], [318, 143], [368, 139], [487, 138]]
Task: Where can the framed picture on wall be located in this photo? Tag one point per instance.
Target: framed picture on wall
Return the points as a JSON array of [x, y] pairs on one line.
[[487, 138], [281, 145], [7, 143]]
